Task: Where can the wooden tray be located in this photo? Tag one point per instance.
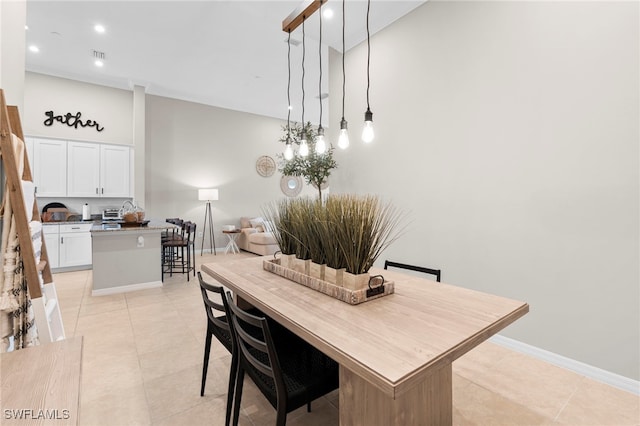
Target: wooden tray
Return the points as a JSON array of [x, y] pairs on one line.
[[352, 297]]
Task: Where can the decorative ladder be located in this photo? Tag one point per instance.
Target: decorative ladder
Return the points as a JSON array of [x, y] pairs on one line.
[[44, 298]]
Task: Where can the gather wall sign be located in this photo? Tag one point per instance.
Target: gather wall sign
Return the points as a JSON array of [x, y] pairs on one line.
[[71, 120]]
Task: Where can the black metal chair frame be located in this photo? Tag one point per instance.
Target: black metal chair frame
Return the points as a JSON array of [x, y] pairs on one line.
[[219, 327], [288, 371], [436, 272]]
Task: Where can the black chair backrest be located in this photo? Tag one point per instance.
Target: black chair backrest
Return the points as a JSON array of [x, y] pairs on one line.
[[191, 233], [212, 307], [257, 350], [435, 272]]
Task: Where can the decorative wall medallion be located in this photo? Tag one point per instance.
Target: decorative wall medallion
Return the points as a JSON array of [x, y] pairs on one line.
[[70, 120], [265, 166], [291, 185]]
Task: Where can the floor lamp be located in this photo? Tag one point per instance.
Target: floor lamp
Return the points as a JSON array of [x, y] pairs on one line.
[[208, 195]]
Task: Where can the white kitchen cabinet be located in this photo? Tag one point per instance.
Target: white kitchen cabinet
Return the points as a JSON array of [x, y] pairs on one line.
[[49, 166], [84, 169], [75, 245], [98, 170], [51, 239], [114, 171], [68, 245]]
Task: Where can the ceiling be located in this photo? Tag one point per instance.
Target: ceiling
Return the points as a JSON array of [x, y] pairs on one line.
[[231, 54]]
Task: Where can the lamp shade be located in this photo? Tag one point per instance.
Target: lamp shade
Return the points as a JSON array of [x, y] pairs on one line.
[[210, 194]]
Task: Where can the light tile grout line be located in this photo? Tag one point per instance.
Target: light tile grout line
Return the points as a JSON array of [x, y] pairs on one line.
[[568, 400], [146, 396]]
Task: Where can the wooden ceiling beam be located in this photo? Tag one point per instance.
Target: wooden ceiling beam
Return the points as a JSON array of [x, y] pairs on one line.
[[302, 12]]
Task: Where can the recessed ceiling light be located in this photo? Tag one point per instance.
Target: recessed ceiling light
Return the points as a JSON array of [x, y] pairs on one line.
[[327, 13], [26, 27], [34, 48], [99, 28], [98, 63]]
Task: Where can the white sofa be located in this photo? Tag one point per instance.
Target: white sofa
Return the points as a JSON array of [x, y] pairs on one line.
[[254, 237]]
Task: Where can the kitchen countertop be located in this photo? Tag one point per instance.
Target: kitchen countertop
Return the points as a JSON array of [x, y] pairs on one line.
[[153, 225], [71, 222]]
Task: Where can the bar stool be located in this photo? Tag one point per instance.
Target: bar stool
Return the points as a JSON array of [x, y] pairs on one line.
[[174, 258]]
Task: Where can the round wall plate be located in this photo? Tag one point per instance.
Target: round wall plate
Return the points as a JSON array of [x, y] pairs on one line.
[[265, 166], [291, 185]]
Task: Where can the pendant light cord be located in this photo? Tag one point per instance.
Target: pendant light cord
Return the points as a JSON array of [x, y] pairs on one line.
[[320, 56], [368, 52], [343, 72], [289, 86], [304, 51]]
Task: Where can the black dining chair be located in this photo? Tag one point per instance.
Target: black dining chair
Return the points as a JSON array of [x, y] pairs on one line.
[[218, 326], [287, 370], [436, 272]]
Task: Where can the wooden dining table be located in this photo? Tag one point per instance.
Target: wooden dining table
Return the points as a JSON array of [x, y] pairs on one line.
[[395, 352]]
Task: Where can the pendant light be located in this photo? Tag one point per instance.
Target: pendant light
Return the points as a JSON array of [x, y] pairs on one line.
[[288, 150], [321, 144], [343, 139], [367, 131], [304, 147]]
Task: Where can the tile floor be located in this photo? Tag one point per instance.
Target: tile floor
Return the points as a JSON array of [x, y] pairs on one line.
[[142, 362]]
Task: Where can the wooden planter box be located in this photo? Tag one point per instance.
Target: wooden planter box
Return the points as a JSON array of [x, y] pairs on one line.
[[348, 293]]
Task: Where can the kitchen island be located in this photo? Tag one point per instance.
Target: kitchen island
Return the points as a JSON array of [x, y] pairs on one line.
[[126, 258]]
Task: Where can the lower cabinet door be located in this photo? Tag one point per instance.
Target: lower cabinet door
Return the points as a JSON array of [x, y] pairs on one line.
[[75, 249], [51, 240]]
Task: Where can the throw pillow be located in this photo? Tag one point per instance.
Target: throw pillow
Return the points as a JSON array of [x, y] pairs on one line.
[[256, 221]]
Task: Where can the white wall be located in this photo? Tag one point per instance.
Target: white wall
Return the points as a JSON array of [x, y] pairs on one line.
[[186, 146], [111, 108], [13, 17], [509, 132], [191, 146]]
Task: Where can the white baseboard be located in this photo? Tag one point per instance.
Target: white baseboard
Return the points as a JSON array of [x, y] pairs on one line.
[[126, 288], [208, 250], [595, 373]]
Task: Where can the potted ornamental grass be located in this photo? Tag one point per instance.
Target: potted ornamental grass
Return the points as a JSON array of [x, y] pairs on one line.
[[338, 238]]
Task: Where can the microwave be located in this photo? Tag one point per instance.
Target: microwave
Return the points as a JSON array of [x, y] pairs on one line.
[[111, 214]]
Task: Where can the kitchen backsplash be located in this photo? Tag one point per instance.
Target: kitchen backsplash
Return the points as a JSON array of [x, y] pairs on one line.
[[74, 205]]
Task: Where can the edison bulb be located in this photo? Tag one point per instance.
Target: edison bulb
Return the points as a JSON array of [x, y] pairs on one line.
[[343, 138], [288, 152], [367, 132], [321, 145], [304, 148]]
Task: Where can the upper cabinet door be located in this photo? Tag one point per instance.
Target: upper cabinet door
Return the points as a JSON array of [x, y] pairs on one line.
[[49, 167], [84, 170], [114, 171]]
